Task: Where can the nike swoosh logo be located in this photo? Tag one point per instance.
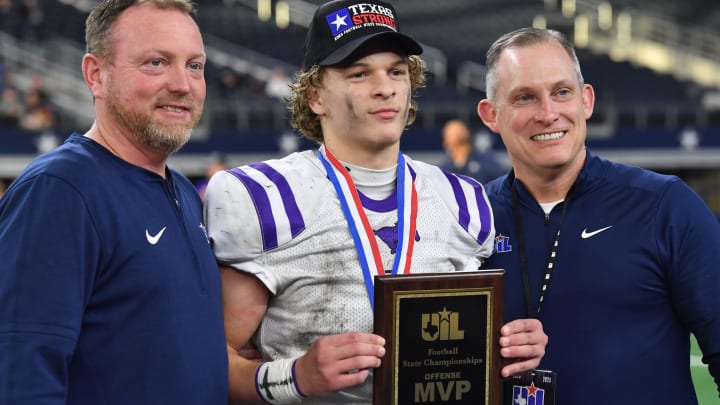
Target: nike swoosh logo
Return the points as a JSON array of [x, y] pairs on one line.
[[153, 239], [585, 234]]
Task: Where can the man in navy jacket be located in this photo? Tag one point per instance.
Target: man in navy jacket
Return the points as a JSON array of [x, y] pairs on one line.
[[619, 263]]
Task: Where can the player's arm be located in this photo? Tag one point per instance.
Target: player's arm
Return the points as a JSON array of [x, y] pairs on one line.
[[245, 301], [336, 362], [331, 363]]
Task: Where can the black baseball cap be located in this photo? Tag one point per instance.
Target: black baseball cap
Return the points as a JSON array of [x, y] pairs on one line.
[[340, 27]]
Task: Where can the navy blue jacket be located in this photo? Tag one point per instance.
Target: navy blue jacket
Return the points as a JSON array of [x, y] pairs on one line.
[[109, 291], [637, 270]]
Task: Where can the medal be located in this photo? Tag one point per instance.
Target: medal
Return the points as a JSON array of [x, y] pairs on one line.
[[359, 225]]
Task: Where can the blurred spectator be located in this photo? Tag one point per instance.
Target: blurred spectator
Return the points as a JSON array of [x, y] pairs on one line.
[[229, 88], [235, 92], [11, 108], [278, 85], [464, 158], [38, 115], [36, 83], [6, 19], [216, 163], [4, 72], [30, 20], [233, 87]]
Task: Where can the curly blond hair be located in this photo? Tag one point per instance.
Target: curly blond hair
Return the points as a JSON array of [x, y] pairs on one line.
[[308, 123]]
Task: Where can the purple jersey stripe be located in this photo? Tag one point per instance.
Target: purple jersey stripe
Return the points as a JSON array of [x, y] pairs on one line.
[[297, 224], [464, 216], [386, 205], [483, 208], [262, 207]]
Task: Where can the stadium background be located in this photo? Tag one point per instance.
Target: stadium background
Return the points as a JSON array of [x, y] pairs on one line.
[[655, 66]]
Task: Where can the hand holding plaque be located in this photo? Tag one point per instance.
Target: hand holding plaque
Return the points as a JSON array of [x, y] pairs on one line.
[[442, 335]]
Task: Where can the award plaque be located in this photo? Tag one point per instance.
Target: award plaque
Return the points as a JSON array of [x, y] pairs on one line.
[[441, 332]]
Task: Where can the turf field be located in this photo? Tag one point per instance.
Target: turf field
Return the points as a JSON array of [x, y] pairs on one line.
[[704, 385]]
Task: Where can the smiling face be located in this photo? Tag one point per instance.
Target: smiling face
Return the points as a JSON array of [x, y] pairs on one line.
[[540, 110], [153, 86], [363, 108]]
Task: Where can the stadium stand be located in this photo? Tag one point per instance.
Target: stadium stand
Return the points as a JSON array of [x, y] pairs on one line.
[[657, 119]]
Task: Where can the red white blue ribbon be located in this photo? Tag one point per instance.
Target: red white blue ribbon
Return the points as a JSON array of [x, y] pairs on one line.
[[359, 225]]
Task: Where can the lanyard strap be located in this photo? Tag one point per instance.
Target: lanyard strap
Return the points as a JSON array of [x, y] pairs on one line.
[[359, 225], [523, 253]]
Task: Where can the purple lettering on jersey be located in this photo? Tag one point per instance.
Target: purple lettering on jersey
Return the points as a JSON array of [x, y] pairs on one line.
[[388, 234]]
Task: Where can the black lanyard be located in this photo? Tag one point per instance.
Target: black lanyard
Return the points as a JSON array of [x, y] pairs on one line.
[[523, 254]]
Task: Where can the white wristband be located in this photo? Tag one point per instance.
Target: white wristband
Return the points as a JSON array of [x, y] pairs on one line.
[[275, 382]]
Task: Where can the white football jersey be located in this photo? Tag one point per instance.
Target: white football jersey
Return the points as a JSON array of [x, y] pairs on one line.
[[282, 221]]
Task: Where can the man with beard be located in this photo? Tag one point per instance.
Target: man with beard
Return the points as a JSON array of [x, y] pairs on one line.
[[109, 291]]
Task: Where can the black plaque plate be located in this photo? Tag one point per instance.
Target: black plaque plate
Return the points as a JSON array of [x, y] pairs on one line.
[[441, 332]]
